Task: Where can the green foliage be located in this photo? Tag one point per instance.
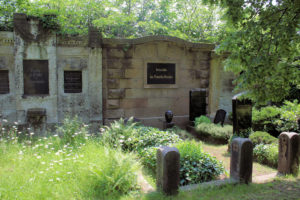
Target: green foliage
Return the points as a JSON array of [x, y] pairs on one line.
[[202, 119], [266, 154], [187, 19], [260, 137], [283, 118], [265, 115], [289, 115], [42, 169], [195, 165], [73, 131], [263, 40], [215, 131], [134, 137]]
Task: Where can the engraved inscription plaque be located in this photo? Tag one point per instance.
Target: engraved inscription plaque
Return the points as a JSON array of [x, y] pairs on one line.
[[36, 77], [4, 82], [73, 81], [161, 73]]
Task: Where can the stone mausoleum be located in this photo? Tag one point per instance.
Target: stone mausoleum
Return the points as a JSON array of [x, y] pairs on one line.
[[45, 77]]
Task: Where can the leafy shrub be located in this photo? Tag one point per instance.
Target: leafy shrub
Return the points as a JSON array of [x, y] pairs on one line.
[[260, 137], [202, 119], [215, 131], [195, 165], [73, 131], [289, 115], [134, 137], [266, 154], [273, 119]]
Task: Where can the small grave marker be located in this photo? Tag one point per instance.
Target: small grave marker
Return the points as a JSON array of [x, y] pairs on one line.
[[241, 160], [220, 117], [168, 165], [288, 155]]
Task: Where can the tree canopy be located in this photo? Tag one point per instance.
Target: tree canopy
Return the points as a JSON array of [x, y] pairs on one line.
[[186, 19], [263, 38]]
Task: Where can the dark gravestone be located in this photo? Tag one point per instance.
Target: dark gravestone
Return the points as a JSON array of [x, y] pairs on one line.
[[220, 117], [4, 82], [197, 103], [72, 81], [161, 73], [288, 154], [36, 77], [241, 114], [241, 160], [167, 170]]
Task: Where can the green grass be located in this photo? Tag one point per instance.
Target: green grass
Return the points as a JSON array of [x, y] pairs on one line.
[[44, 171]]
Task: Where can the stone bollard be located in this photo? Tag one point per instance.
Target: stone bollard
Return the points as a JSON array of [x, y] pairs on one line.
[[288, 154], [167, 170], [241, 160]]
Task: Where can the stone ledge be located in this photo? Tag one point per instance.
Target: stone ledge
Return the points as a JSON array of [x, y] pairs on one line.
[[147, 39]]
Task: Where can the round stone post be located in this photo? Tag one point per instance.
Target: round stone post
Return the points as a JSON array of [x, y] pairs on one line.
[[288, 154], [167, 174], [241, 160]]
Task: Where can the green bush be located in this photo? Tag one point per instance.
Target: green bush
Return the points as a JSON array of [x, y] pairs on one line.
[[195, 165], [134, 137], [73, 131], [277, 119], [266, 154], [260, 137], [215, 131], [289, 115], [202, 119]]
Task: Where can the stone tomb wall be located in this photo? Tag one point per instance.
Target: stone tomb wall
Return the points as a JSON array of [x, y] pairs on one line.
[[57, 75], [139, 78], [101, 80]]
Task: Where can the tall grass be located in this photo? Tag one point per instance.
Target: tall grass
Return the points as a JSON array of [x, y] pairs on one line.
[[59, 168]]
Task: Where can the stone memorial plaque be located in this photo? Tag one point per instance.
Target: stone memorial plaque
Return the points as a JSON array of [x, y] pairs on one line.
[[161, 73], [36, 77], [73, 81], [197, 103], [4, 82], [220, 117]]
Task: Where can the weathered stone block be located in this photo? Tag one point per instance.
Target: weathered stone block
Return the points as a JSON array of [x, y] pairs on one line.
[[167, 170], [204, 83], [113, 83], [115, 73], [134, 73], [134, 103], [132, 83], [113, 103], [114, 113], [116, 93], [241, 160], [289, 152], [202, 74], [115, 53]]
